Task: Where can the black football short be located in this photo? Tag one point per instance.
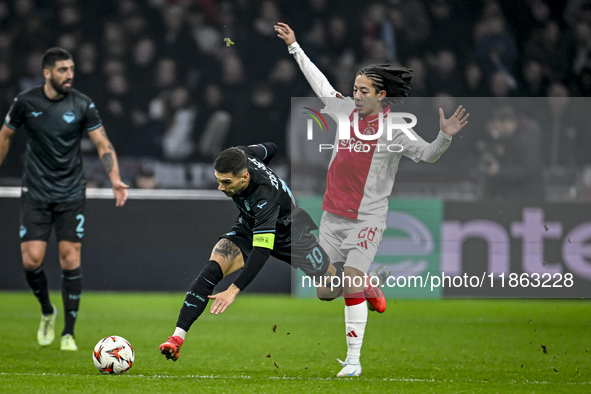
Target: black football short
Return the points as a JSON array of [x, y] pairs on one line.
[[305, 254], [38, 218]]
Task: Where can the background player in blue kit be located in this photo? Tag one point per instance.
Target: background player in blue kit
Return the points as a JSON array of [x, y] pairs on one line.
[[55, 117]]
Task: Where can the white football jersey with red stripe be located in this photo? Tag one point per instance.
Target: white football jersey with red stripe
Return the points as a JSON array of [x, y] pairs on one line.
[[361, 173]]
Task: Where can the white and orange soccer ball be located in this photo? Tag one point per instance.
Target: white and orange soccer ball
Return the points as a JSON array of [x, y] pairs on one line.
[[113, 355]]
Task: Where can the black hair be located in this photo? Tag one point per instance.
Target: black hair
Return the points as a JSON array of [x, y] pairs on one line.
[[395, 81], [53, 55], [232, 160]]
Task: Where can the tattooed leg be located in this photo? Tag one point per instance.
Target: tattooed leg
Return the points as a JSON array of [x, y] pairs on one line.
[[228, 256]]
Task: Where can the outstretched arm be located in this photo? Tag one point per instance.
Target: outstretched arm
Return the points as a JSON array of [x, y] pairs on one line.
[[316, 79], [253, 265], [108, 158], [6, 134], [420, 150]]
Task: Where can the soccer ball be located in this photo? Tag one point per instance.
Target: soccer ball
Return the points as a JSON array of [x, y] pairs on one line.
[[113, 355]]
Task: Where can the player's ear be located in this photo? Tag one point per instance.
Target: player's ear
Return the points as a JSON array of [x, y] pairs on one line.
[[46, 73], [381, 95]]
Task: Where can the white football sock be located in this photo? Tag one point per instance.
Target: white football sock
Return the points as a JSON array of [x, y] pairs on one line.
[[179, 332], [355, 321]]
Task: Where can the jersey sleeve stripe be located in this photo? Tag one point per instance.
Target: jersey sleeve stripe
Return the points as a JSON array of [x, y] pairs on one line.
[[266, 152], [95, 127]]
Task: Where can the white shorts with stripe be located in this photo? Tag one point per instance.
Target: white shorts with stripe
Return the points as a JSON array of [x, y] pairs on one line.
[[355, 242]]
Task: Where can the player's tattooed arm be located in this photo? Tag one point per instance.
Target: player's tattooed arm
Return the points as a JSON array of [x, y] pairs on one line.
[[226, 248], [105, 149], [107, 162], [108, 158]]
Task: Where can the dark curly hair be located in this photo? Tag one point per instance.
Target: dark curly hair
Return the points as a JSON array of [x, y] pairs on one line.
[[395, 81]]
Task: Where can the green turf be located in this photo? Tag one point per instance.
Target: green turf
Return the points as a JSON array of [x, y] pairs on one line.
[[415, 346]]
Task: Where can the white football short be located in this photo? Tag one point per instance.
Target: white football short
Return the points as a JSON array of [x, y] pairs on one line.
[[355, 242]]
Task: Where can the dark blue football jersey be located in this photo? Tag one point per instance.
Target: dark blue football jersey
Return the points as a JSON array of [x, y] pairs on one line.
[[267, 203], [53, 163]]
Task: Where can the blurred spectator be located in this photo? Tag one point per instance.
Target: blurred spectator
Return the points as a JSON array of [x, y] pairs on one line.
[[177, 141], [114, 40], [115, 111], [420, 86], [145, 178], [30, 75], [213, 124], [443, 74], [176, 41], [581, 46], [547, 47], [577, 10], [494, 47], [339, 49], [565, 126], [233, 78], [583, 82], [474, 77], [264, 45], [259, 119], [412, 27], [378, 30], [509, 164], [5, 16], [34, 31], [501, 84], [446, 32], [535, 79]]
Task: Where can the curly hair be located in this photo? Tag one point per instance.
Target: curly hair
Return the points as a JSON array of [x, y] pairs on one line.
[[395, 81]]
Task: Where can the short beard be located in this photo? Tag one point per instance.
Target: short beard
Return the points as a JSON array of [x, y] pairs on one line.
[[58, 88]]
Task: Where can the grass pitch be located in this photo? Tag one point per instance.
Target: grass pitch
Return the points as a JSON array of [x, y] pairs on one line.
[[415, 346]]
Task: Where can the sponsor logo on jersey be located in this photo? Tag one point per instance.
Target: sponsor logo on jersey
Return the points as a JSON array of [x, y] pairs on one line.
[[36, 114]]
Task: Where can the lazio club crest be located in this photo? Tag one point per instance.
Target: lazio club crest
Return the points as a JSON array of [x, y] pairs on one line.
[[69, 116]]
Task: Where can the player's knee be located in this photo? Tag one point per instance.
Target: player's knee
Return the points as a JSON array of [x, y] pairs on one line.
[[69, 264], [31, 264], [32, 260], [70, 259], [212, 272], [325, 294]]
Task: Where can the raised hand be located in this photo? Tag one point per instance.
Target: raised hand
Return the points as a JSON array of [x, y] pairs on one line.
[[285, 33], [455, 123]]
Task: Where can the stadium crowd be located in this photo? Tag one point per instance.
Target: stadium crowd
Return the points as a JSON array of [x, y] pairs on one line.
[[172, 94]]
